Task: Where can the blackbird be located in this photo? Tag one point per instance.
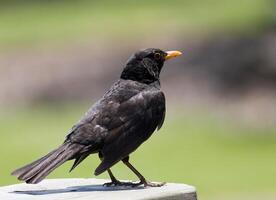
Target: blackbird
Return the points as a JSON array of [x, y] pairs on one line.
[[116, 125]]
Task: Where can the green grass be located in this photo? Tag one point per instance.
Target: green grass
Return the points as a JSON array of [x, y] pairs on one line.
[[67, 21], [218, 157]]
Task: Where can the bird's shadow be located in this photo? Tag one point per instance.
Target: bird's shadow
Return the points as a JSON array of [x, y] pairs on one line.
[[84, 188]]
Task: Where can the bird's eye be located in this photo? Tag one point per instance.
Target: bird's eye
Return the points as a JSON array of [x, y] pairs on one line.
[[157, 56]]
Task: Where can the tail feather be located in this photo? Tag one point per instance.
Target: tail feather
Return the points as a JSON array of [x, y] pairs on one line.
[[49, 168], [42, 165], [104, 165], [78, 160], [24, 172], [31, 165], [39, 169]]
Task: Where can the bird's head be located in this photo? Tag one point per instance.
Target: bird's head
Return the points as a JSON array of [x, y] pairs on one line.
[[145, 65]]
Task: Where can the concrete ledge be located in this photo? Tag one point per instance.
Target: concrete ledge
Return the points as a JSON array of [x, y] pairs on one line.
[[92, 189]]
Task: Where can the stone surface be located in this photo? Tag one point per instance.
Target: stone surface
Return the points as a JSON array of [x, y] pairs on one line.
[[92, 189]]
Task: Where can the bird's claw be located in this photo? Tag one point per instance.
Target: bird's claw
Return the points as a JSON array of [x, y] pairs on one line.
[[119, 183], [132, 184], [111, 184]]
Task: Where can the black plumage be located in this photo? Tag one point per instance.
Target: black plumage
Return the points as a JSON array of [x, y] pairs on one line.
[[116, 125]]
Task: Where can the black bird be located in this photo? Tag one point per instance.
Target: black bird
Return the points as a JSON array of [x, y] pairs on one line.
[[116, 125]]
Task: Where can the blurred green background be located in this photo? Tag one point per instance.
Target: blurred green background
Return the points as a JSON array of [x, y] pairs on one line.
[[58, 57]]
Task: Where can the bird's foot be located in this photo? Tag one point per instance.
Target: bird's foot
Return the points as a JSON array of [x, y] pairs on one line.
[[150, 184], [112, 183], [146, 183], [119, 183]]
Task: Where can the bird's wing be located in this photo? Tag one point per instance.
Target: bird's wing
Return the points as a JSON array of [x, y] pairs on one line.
[[91, 130], [117, 124], [133, 123], [102, 116], [88, 132]]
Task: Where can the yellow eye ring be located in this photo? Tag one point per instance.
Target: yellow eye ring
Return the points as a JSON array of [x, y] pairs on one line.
[[157, 56]]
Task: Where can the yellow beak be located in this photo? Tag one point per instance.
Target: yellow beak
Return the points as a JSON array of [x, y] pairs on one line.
[[172, 54]]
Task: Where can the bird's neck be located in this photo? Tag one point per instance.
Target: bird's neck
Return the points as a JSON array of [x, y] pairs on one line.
[[140, 73]]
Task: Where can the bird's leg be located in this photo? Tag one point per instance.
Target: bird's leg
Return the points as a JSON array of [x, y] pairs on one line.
[[140, 176], [114, 181], [112, 177]]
